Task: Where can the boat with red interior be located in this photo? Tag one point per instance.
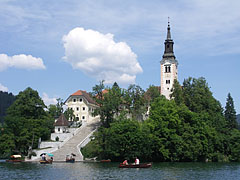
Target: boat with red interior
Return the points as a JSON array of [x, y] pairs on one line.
[[15, 158], [142, 165]]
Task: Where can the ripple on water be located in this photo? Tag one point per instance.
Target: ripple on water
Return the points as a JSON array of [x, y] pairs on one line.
[[110, 171]]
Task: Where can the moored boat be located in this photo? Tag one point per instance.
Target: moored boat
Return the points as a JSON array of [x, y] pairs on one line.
[[45, 161], [46, 158], [15, 158], [105, 160], [71, 160], [142, 165]]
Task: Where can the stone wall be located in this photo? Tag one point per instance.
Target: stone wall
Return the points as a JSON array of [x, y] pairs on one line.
[[46, 144]]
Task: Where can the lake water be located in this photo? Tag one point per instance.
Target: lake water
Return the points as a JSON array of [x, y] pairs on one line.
[[110, 171]]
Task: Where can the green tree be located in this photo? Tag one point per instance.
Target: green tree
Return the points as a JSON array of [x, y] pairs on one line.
[[69, 114], [109, 102], [55, 110], [6, 143], [124, 139], [6, 99], [198, 98], [134, 101], [27, 120], [179, 134], [151, 94], [230, 113], [52, 111], [177, 93]]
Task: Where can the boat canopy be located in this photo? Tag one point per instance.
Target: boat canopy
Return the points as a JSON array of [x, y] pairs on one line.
[[16, 156]]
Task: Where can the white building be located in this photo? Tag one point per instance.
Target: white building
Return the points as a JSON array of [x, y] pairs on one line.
[[82, 105], [61, 124], [169, 66]]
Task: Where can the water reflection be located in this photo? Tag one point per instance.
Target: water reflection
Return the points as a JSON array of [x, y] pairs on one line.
[[97, 171]]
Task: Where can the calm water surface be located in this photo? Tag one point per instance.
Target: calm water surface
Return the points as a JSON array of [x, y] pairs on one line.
[[109, 171]]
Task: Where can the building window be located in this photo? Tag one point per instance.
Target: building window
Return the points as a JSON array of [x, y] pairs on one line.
[[80, 99], [77, 118], [58, 129], [167, 69], [74, 100], [167, 81], [83, 108], [89, 109], [83, 117], [77, 108]]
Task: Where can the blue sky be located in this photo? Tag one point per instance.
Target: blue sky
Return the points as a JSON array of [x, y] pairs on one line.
[[58, 47]]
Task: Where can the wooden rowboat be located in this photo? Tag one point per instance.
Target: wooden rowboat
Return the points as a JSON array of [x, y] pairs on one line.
[[15, 158], [105, 160], [71, 160], [45, 161], [142, 165]]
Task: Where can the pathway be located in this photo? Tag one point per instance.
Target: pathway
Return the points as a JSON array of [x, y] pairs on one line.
[[72, 145]]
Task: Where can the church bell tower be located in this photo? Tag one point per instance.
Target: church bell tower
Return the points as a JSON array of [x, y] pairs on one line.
[[169, 66]]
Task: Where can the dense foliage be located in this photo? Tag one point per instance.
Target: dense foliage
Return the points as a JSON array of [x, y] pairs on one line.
[[26, 121], [192, 126], [6, 99]]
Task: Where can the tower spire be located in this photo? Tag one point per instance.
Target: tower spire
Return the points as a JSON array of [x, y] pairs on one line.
[[168, 52], [168, 30]]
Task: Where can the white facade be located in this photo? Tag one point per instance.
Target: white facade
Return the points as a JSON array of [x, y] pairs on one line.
[[81, 106], [169, 72], [61, 129]]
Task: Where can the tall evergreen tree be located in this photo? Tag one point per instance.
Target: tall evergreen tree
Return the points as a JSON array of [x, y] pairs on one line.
[[230, 113]]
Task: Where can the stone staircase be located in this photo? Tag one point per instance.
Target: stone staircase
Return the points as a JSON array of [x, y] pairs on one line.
[[73, 145]]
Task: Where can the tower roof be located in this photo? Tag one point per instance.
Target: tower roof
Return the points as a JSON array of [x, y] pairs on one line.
[[61, 121], [168, 51]]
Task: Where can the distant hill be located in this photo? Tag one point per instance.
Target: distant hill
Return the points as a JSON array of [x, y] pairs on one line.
[[238, 120], [6, 100]]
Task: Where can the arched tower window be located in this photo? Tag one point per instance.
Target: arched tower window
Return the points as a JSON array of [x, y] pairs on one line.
[[167, 69]]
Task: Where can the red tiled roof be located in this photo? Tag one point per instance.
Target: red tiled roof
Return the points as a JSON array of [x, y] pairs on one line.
[[78, 93], [105, 91], [61, 121], [84, 94]]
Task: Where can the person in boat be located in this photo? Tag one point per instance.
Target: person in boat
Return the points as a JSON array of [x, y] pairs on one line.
[[44, 157], [125, 162], [137, 161]]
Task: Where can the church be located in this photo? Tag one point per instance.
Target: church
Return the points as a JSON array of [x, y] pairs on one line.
[[169, 66]]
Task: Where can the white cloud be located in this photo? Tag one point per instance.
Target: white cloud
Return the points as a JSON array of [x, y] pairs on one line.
[[47, 100], [20, 61], [99, 56], [3, 88]]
